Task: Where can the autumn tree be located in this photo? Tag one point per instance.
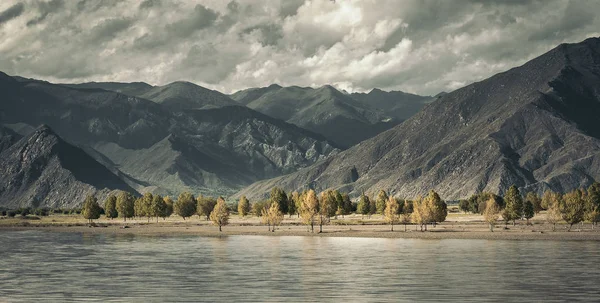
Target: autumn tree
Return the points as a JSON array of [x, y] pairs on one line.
[[243, 206], [592, 204], [110, 207], [436, 207], [391, 212], [514, 205], [553, 203], [420, 213], [91, 209], [125, 205], [406, 212], [327, 206], [220, 213], [274, 215], [309, 209], [280, 197], [259, 208], [169, 207], [145, 207], [535, 201], [296, 199], [158, 208], [185, 206], [528, 210], [573, 207], [205, 206], [364, 205], [491, 213], [381, 202]]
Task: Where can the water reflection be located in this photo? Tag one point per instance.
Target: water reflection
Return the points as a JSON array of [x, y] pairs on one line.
[[58, 267]]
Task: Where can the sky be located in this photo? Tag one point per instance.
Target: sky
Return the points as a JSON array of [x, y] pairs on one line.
[[417, 46]]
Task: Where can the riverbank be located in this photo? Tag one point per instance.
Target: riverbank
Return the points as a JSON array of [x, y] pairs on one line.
[[457, 227]]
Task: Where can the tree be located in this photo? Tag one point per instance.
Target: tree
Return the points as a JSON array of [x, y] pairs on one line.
[[205, 206], [592, 204], [406, 212], [296, 199], [528, 211], [169, 207], [514, 205], [110, 207], [391, 212], [91, 209], [573, 207], [274, 215], [381, 202], [258, 207], [220, 214], [327, 209], [291, 200], [243, 206], [158, 208], [280, 197], [347, 204], [364, 205], [535, 200], [463, 205], [553, 202], [339, 203], [125, 205], [309, 209], [145, 206], [420, 213], [185, 206], [138, 207], [437, 208], [491, 213]]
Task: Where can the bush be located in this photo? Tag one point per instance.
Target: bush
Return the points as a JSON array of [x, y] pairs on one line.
[[41, 212], [25, 211], [11, 213], [3, 213], [65, 211]]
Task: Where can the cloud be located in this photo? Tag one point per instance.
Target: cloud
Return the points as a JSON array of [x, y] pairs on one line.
[[418, 46], [11, 13]]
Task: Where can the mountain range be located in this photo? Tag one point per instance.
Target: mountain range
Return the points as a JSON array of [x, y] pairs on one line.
[[534, 126]]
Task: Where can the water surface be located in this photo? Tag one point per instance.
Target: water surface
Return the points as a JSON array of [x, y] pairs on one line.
[[59, 267]]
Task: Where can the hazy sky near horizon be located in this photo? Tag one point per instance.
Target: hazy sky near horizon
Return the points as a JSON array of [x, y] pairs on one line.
[[418, 46]]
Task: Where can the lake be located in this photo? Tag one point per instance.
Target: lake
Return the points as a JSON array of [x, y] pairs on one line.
[[63, 267]]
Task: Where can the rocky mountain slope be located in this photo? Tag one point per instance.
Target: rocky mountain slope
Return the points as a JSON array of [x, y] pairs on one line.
[[534, 126], [324, 110], [397, 104], [42, 170], [154, 148]]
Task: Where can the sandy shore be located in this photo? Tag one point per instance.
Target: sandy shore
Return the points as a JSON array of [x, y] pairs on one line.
[[460, 228]]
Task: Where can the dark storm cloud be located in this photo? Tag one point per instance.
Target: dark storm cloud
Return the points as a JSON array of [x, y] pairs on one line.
[[419, 46], [11, 13], [200, 18]]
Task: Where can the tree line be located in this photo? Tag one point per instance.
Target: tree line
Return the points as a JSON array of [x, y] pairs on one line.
[[318, 209]]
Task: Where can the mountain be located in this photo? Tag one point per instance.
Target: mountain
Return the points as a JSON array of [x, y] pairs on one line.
[[324, 110], [154, 148], [534, 126], [397, 104], [181, 95], [130, 89], [42, 170]]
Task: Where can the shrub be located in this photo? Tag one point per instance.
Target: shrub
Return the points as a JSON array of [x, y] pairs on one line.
[[3, 213], [11, 213]]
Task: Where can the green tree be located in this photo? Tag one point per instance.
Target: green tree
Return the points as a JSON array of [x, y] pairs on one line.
[[158, 207], [258, 208], [91, 209], [364, 205], [391, 212], [243, 206], [491, 213], [381, 201], [205, 206], [463, 205], [292, 209], [169, 207], [145, 206], [347, 204], [280, 197], [528, 211], [110, 207], [514, 204], [296, 199], [220, 214], [309, 209], [185, 206], [573, 207], [125, 205], [535, 200], [592, 204]]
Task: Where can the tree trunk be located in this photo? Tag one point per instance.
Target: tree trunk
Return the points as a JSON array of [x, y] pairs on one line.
[[491, 227], [514, 223], [321, 227], [392, 226], [404, 227], [312, 227], [554, 227], [571, 225], [527, 221], [219, 227]]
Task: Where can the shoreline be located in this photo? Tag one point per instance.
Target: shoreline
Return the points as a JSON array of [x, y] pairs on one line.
[[469, 231]]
